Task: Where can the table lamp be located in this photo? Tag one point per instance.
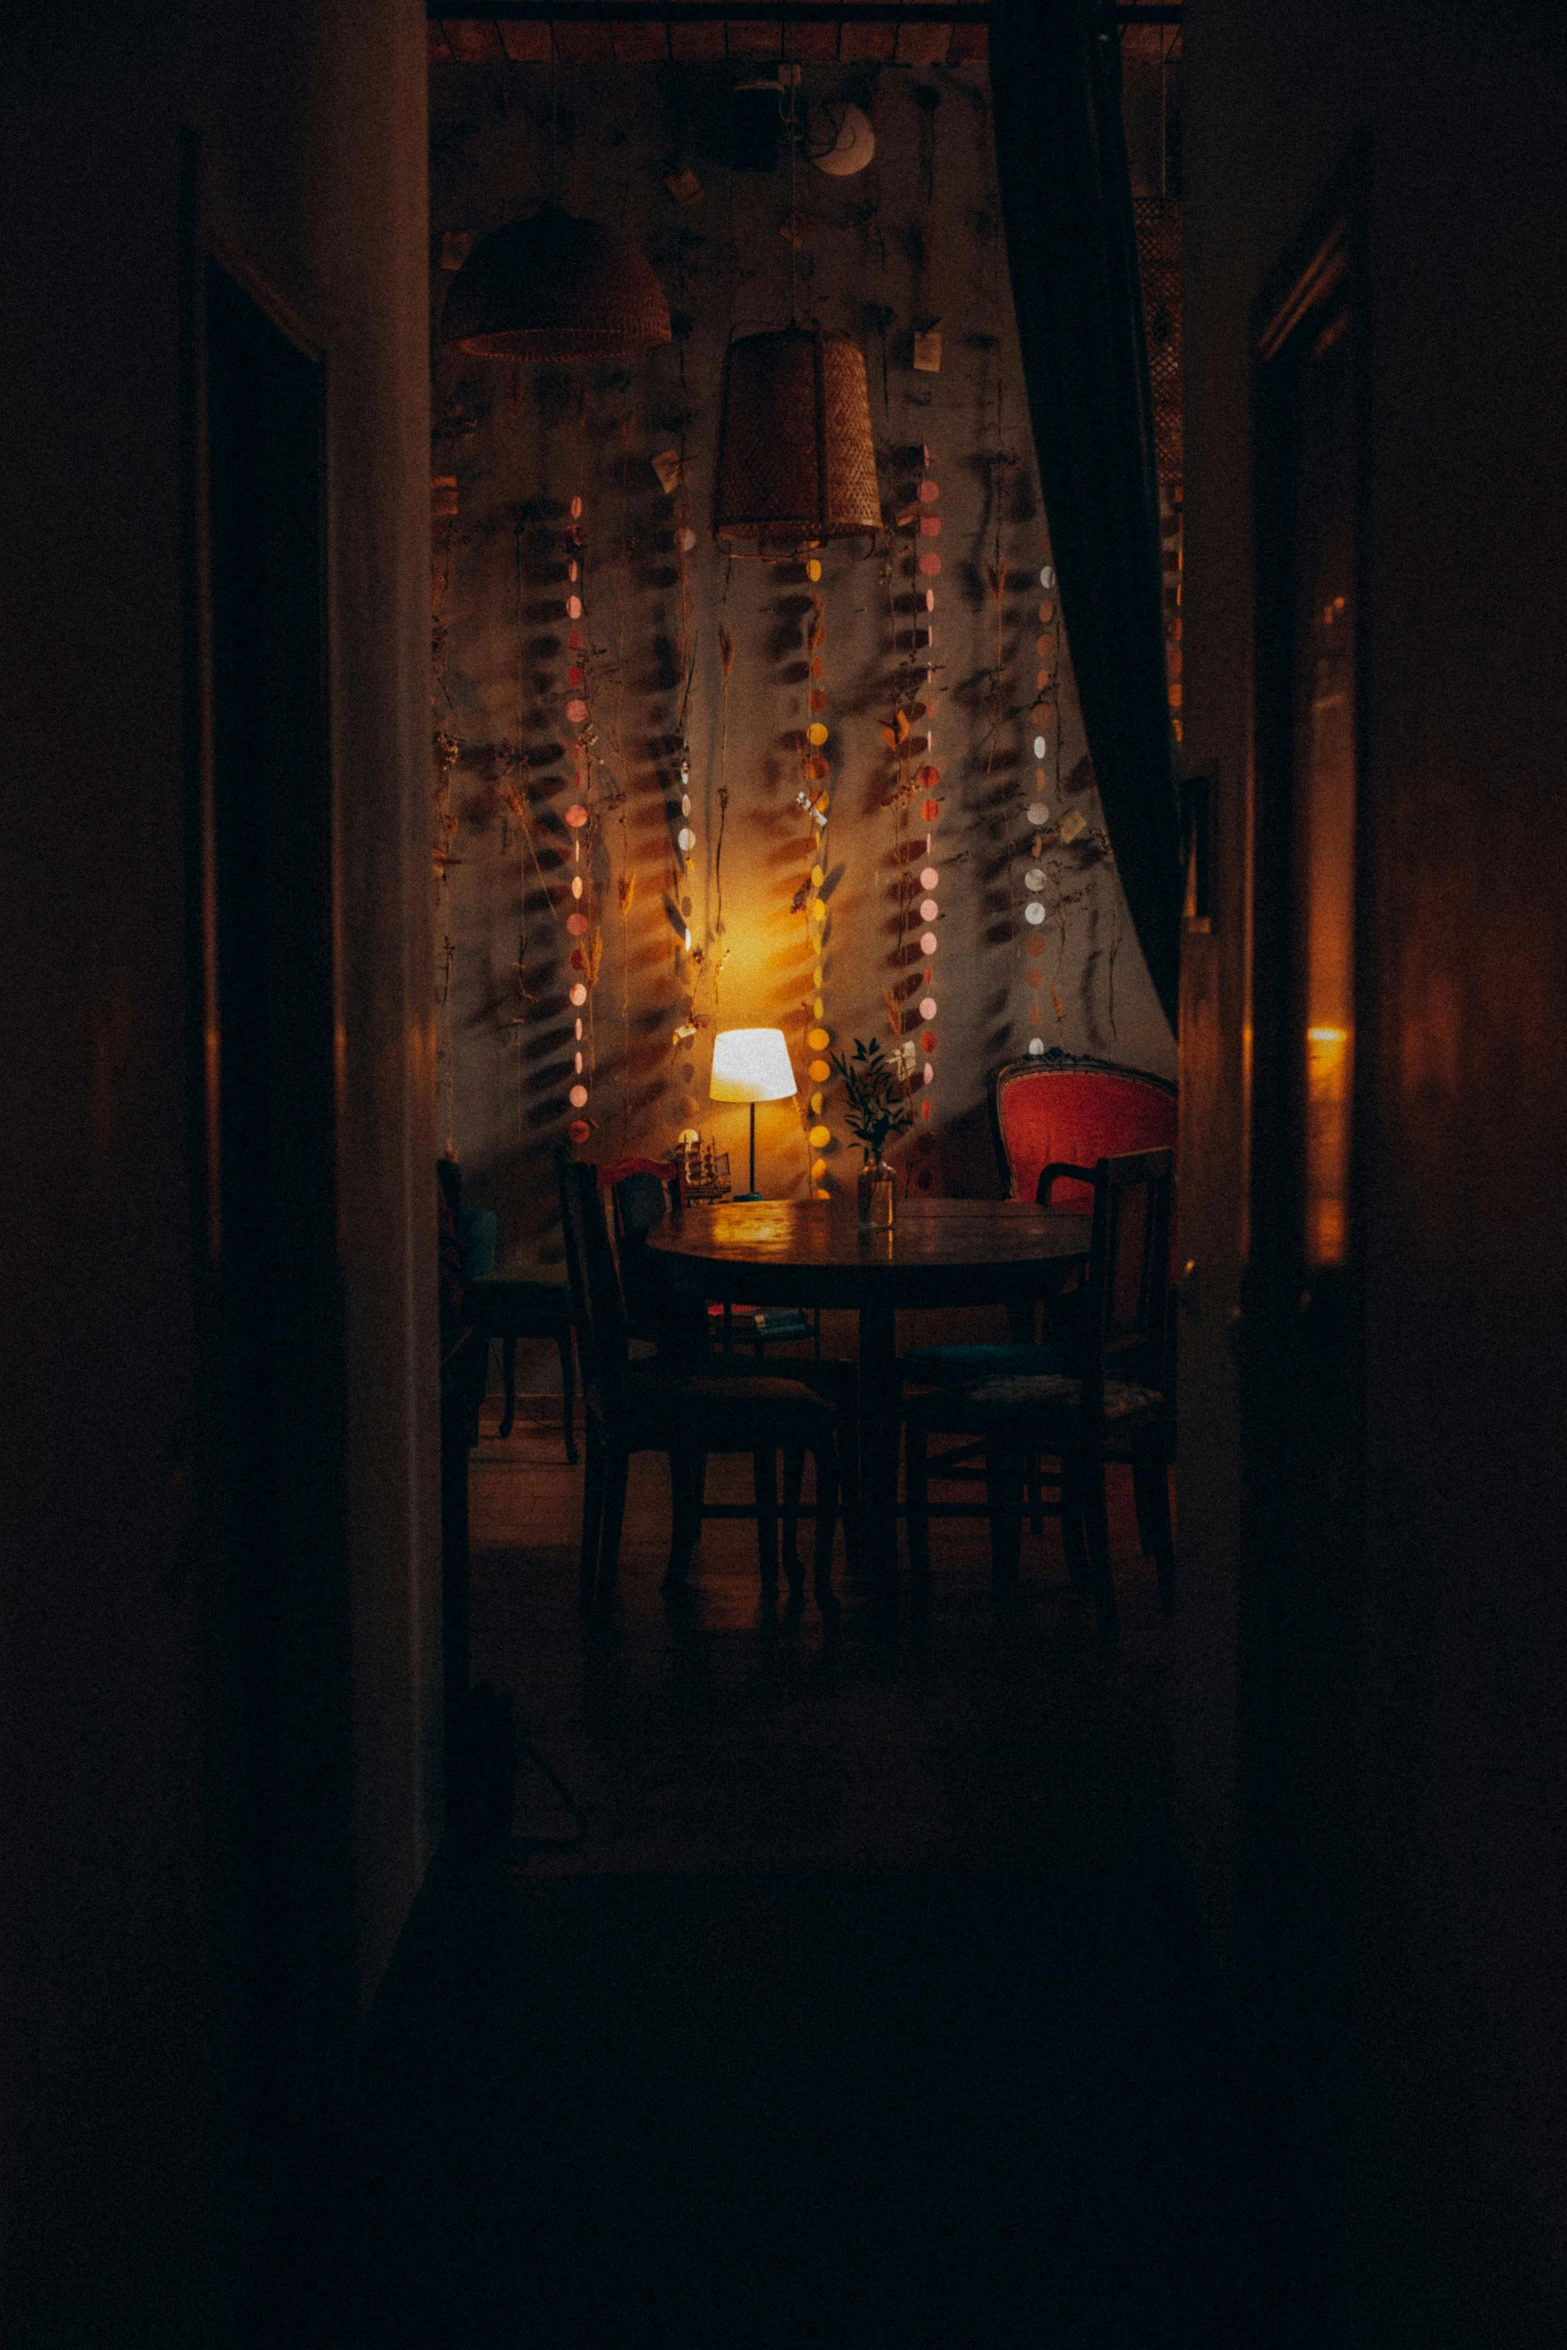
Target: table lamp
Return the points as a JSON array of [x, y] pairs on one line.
[[751, 1065]]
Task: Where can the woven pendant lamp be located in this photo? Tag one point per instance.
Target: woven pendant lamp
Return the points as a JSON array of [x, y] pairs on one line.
[[796, 463], [555, 288]]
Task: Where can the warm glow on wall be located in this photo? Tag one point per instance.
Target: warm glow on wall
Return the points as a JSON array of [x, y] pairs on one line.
[[1329, 1058]]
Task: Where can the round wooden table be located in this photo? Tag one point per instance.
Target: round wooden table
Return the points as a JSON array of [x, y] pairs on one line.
[[944, 1252]]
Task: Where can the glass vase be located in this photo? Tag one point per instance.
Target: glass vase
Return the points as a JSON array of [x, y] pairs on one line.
[[876, 1193]]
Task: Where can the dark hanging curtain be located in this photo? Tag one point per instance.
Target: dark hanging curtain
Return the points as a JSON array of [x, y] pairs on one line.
[[1066, 200]]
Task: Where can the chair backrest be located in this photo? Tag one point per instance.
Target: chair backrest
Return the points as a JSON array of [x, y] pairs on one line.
[[1057, 1107], [641, 1193], [1126, 1296], [597, 1306]]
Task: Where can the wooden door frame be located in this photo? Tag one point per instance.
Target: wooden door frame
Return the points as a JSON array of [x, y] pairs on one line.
[[1285, 1319], [248, 1798]]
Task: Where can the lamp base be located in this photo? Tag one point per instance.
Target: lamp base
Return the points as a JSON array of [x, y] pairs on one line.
[[742, 1196]]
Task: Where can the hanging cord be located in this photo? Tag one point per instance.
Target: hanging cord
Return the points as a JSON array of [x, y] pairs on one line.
[[520, 1848], [787, 115], [554, 126]]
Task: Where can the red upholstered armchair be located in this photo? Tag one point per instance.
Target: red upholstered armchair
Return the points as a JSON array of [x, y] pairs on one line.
[[1061, 1108]]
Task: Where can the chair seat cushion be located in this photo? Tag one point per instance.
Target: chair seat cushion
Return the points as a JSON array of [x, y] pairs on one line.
[[1051, 1399], [949, 1366], [534, 1304], [719, 1414]]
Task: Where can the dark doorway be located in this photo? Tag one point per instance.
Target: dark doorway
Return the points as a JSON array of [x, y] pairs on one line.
[[284, 1988], [1301, 1325]]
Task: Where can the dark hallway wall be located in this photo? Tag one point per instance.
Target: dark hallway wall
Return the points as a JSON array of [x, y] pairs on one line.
[[1461, 1732], [309, 125]]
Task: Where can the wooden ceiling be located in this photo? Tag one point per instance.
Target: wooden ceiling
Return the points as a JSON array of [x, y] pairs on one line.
[[650, 32]]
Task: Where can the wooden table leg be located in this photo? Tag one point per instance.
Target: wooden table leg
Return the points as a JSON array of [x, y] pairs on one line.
[[879, 1431]]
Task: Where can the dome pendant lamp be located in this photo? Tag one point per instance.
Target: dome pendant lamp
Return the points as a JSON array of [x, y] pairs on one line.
[[796, 463], [555, 289]]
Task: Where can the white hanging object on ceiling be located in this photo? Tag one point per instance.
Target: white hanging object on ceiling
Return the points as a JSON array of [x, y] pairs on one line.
[[839, 139]]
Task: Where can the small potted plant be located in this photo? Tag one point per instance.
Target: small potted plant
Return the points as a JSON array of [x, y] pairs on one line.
[[876, 1093]]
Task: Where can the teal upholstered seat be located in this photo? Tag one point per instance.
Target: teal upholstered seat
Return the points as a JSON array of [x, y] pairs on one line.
[[956, 1366]]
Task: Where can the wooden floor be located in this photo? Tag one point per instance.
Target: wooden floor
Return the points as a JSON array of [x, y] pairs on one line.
[[875, 2008], [715, 1740]]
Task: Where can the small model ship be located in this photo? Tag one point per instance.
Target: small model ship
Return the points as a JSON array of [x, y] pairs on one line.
[[704, 1172]]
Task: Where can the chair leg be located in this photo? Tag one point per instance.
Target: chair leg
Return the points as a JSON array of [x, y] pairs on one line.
[[568, 1393], [617, 1465], [1096, 1529], [793, 1482], [1004, 1500], [1073, 1540], [917, 1486], [764, 1470], [1151, 1485], [685, 1494], [826, 1520], [592, 1516], [508, 1381], [1036, 1496], [848, 1459]]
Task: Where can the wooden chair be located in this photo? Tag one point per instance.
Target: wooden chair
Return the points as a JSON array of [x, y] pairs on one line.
[[1107, 1402], [684, 1414], [638, 1194], [513, 1305], [641, 1192]]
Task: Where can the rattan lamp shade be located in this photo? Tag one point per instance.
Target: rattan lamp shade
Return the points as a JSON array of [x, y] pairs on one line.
[[555, 288], [796, 463]]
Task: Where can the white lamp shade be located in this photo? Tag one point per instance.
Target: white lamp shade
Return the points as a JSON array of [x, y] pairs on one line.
[[751, 1065]]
